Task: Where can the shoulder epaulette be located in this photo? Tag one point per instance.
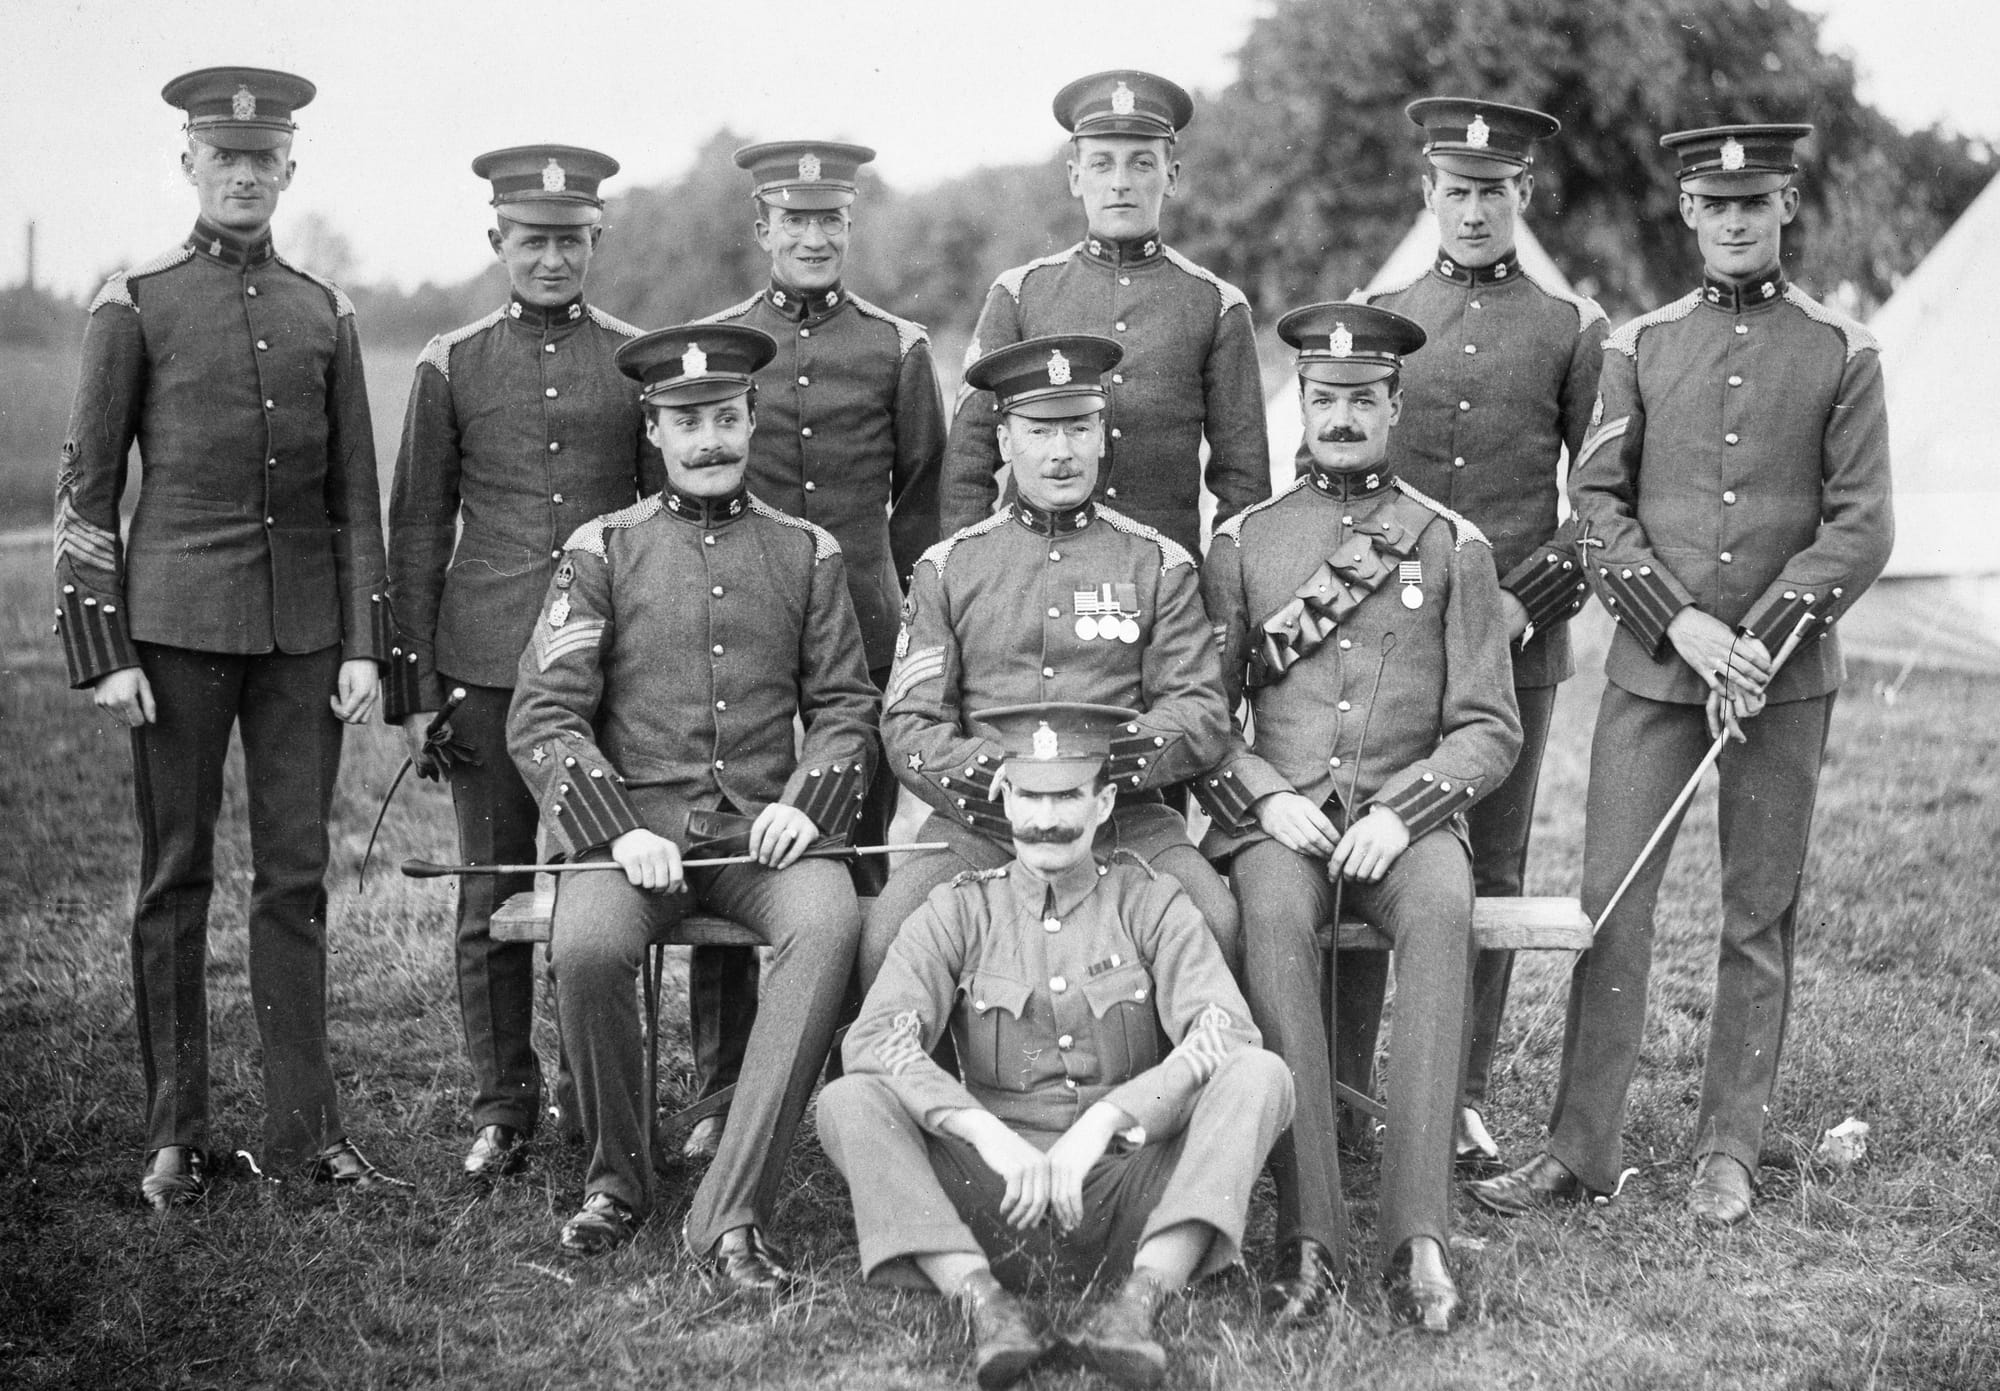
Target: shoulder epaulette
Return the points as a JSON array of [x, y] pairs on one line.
[[1859, 339], [616, 325], [1371, 296], [343, 307], [1588, 310], [824, 546], [1226, 292], [1172, 553], [1233, 528], [908, 333], [734, 311], [1122, 856], [118, 289], [437, 352], [941, 552], [590, 536], [1626, 339], [977, 876], [1462, 529], [1010, 280]]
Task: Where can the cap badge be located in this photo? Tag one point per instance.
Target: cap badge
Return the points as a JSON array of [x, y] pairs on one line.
[[243, 106], [1341, 341], [809, 168], [1478, 132], [1121, 100], [554, 180], [1045, 742], [694, 362], [1058, 369], [1732, 154]]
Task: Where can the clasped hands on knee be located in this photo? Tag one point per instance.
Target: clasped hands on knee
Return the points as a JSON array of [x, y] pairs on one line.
[[1364, 852]]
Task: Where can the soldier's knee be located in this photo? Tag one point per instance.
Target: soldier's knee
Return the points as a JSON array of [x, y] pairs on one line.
[[851, 1100], [1260, 1076]]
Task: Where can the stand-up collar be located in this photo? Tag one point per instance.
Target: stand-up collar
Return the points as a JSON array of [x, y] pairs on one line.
[[1752, 294], [801, 304], [1352, 486], [231, 249], [1057, 895], [1507, 268], [1123, 253], [707, 513], [1045, 523], [537, 318]]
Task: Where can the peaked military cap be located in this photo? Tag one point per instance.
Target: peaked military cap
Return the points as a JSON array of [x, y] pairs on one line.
[[239, 108], [1480, 139], [694, 364], [1056, 745], [804, 175], [1124, 101], [547, 185], [1736, 161], [1347, 344], [1048, 378]]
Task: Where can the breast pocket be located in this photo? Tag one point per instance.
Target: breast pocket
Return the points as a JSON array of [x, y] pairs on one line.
[[1121, 1003], [992, 1041]]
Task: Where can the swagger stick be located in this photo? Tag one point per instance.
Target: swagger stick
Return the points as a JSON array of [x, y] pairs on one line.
[[1687, 793], [430, 869]]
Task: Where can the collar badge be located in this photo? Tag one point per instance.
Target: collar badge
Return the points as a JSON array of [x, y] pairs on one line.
[[1045, 742], [1341, 341], [1732, 154], [694, 362], [809, 168], [243, 106], [1058, 374], [553, 178], [1121, 100], [1478, 133]]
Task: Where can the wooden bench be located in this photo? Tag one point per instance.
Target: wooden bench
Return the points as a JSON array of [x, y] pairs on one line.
[[1498, 924]]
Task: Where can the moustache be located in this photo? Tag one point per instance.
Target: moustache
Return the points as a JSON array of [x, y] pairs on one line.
[[1342, 434], [1049, 835], [715, 458]]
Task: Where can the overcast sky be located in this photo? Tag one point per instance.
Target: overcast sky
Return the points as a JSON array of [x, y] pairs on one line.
[[411, 90]]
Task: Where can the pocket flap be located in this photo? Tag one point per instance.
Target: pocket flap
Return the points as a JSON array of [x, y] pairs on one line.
[[1129, 984], [987, 991]]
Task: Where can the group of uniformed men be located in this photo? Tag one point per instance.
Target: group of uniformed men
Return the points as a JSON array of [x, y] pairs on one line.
[[735, 607]]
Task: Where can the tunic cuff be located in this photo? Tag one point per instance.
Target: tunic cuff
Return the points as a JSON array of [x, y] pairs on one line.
[[831, 795], [95, 639], [1227, 800], [967, 799], [592, 807], [1773, 620], [1133, 753], [400, 686], [1550, 586], [1427, 801], [1642, 599]]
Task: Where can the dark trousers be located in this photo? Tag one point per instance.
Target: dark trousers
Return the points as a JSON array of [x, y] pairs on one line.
[[1499, 825], [598, 943], [1424, 903], [722, 981], [1642, 754], [291, 755], [496, 980]]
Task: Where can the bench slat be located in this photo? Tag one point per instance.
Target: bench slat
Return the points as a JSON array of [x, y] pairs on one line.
[[1510, 924]]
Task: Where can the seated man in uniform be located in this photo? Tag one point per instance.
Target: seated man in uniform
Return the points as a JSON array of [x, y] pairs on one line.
[[1363, 620], [679, 640], [1055, 597], [1077, 1142]]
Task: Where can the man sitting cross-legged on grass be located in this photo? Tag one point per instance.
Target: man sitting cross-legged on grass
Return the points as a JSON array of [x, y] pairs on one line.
[[679, 639], [1076, 1142]]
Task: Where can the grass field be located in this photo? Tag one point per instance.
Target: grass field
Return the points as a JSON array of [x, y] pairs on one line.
[[1887, 1276]]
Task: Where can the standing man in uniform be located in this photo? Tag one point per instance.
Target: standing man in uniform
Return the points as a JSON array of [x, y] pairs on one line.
[[851, 434], [679, 640], [520, 429], [1362, 621], [1055, 597], [1504, 387], [248, 594], [1190, 364], [1108, 1156], [1737, 474]]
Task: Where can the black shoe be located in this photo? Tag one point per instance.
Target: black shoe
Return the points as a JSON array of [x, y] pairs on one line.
[[1306, 1285], [497, 1150], [1421, 1290], [1543, 1181], [1005, 1342], [1472, 1149], [1117, 1339], [174, 1175], [346, 1167], [602, 1224], [746, 1260]]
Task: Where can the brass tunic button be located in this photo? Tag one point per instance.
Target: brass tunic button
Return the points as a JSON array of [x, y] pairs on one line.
[[1066, 1042], [250, 290], [550, 393], [1725, 557], [1057, 984]]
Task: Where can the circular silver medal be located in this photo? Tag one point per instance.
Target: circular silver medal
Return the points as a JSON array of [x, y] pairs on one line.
[[1413, 597], [1086, 628], [1128, 630]]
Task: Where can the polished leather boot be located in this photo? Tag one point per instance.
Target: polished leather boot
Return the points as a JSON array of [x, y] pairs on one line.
[[1543, 1181], [1117, 1339], [1721, 1193], [1005, 1342], [1421, 1290], [1306, 1285], [174, 1175]]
